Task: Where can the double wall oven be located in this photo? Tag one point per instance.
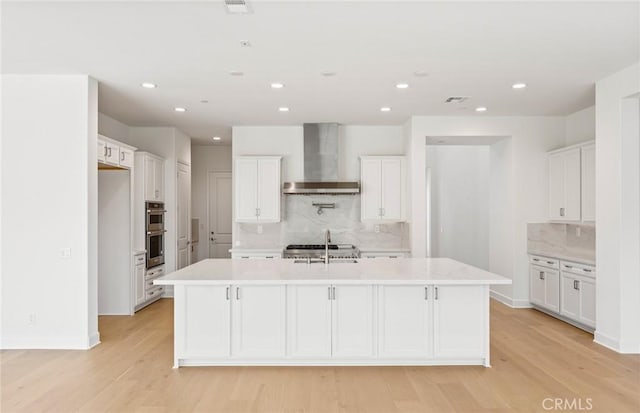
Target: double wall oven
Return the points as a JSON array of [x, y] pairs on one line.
[[155, 214]]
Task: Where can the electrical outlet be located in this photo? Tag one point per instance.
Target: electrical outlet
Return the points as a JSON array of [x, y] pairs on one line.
[[259, 229], [65, 253]]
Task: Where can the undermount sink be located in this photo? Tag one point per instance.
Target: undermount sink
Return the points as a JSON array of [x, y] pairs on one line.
[[341, 261]]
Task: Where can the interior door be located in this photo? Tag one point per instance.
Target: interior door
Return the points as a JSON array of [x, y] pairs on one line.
[[220, 219], [184, 215]]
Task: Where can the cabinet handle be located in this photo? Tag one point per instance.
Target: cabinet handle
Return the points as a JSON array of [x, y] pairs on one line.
[[542, 275], [105, 150], [329, 289], [122, 156], [228, 288], [551, 263], [561, 212], [333, 293], [536, 259], [576, 285], [237, 293], [109, 152], [436, 293], [568, 266], [586, 270], [426, 293]]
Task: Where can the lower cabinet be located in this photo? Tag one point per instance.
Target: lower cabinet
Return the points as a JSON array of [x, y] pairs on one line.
[[545, 287], [139, 278], [460, 322], [578, 298], [258, 316], [332, 324], [404, 321]]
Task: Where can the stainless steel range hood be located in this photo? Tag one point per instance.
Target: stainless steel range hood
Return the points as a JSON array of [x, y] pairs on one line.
[[321, 163]]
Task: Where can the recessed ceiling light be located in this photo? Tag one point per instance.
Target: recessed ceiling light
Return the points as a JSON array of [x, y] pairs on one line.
[[328, 73], [179, 109], [216, 138], [283, 109], [519, 85], [277, 85], [420, 73], [402, 85], [148, 85], [481, 109], [236, 73], [385, 109]]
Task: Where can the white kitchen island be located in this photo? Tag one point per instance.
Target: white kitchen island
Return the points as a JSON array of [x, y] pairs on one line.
[[412, 311]]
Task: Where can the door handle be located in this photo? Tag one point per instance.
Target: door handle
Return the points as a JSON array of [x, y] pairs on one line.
[[213, 239]]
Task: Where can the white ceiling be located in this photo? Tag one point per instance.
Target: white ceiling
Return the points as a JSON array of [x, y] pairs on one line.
[[472, 49]]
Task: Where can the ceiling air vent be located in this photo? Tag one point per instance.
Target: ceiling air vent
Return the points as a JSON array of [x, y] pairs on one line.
[[237, 6], [456, 99]]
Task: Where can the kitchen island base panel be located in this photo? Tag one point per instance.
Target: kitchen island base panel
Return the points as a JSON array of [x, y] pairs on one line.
[[255, 325]]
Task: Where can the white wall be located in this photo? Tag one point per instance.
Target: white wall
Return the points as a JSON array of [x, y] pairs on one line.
[[617, 210], [206, 159], [49, 134], [460, 200], [525, 200], [356, 141], [580, 126], [112, 128]]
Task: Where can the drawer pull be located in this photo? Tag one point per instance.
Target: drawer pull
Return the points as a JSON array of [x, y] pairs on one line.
[[550, 262], [586, 270], [542, 275]]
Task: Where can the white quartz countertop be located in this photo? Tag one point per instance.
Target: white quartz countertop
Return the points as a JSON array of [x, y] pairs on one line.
[[255, 250], [399, 271]]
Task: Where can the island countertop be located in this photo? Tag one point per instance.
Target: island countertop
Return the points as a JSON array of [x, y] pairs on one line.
[[442, 271]]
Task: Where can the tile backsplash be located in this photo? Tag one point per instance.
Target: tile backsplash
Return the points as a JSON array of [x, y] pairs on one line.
[[301, 224], [562, 240]]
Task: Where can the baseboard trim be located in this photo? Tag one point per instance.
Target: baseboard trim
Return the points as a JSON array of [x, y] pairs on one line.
[[615, 345], [49, 343], [508, 301], [94, 340]]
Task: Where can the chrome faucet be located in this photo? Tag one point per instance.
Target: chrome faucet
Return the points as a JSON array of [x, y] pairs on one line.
[[327, 240]]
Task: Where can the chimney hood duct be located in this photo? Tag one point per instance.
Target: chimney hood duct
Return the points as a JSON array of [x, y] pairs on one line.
[[321, 163]]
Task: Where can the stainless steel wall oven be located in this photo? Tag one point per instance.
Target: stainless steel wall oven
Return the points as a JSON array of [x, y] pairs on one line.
[[155, 233]]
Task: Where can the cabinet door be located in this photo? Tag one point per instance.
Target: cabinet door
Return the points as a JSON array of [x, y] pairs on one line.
[[269, 191], [392, 190], [205, 321], [570, 302], [572, 184], [126, 158], [258, 316], [460, 321], [149, 178], [556, 186], [536, 286], [139, 283], [309, 320], [102, 151], [246, 190], [158, 180], [589, 182], [552, 290], [371, 198], [352, 314], [588, 302], [404, 319], [113, 153]]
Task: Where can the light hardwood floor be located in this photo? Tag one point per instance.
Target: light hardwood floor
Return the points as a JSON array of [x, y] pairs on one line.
[[533, 355]]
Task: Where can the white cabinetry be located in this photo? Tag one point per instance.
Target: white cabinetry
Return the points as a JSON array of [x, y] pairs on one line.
[[564, 185], [114, 153], [258, 316], [152, 168], [207, 331], [257, 254], [352, 321], [588, 182], [564, 289], [384, 254], [460, 330], [309, 320], [383, 188], [404, 321], [572, 183], [138, 277], [257, 189]]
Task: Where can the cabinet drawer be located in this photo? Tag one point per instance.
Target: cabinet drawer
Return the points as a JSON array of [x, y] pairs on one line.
[[138, 259], [577, 268], [255, 256], [154, 292], [153, 273], [544, 261], [384, 255]]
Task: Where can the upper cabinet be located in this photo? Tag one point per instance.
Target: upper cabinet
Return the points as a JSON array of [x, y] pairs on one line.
[[114, 153], [383, 188], [572, 183], [589, 182], [152, 168], [257, 189]]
